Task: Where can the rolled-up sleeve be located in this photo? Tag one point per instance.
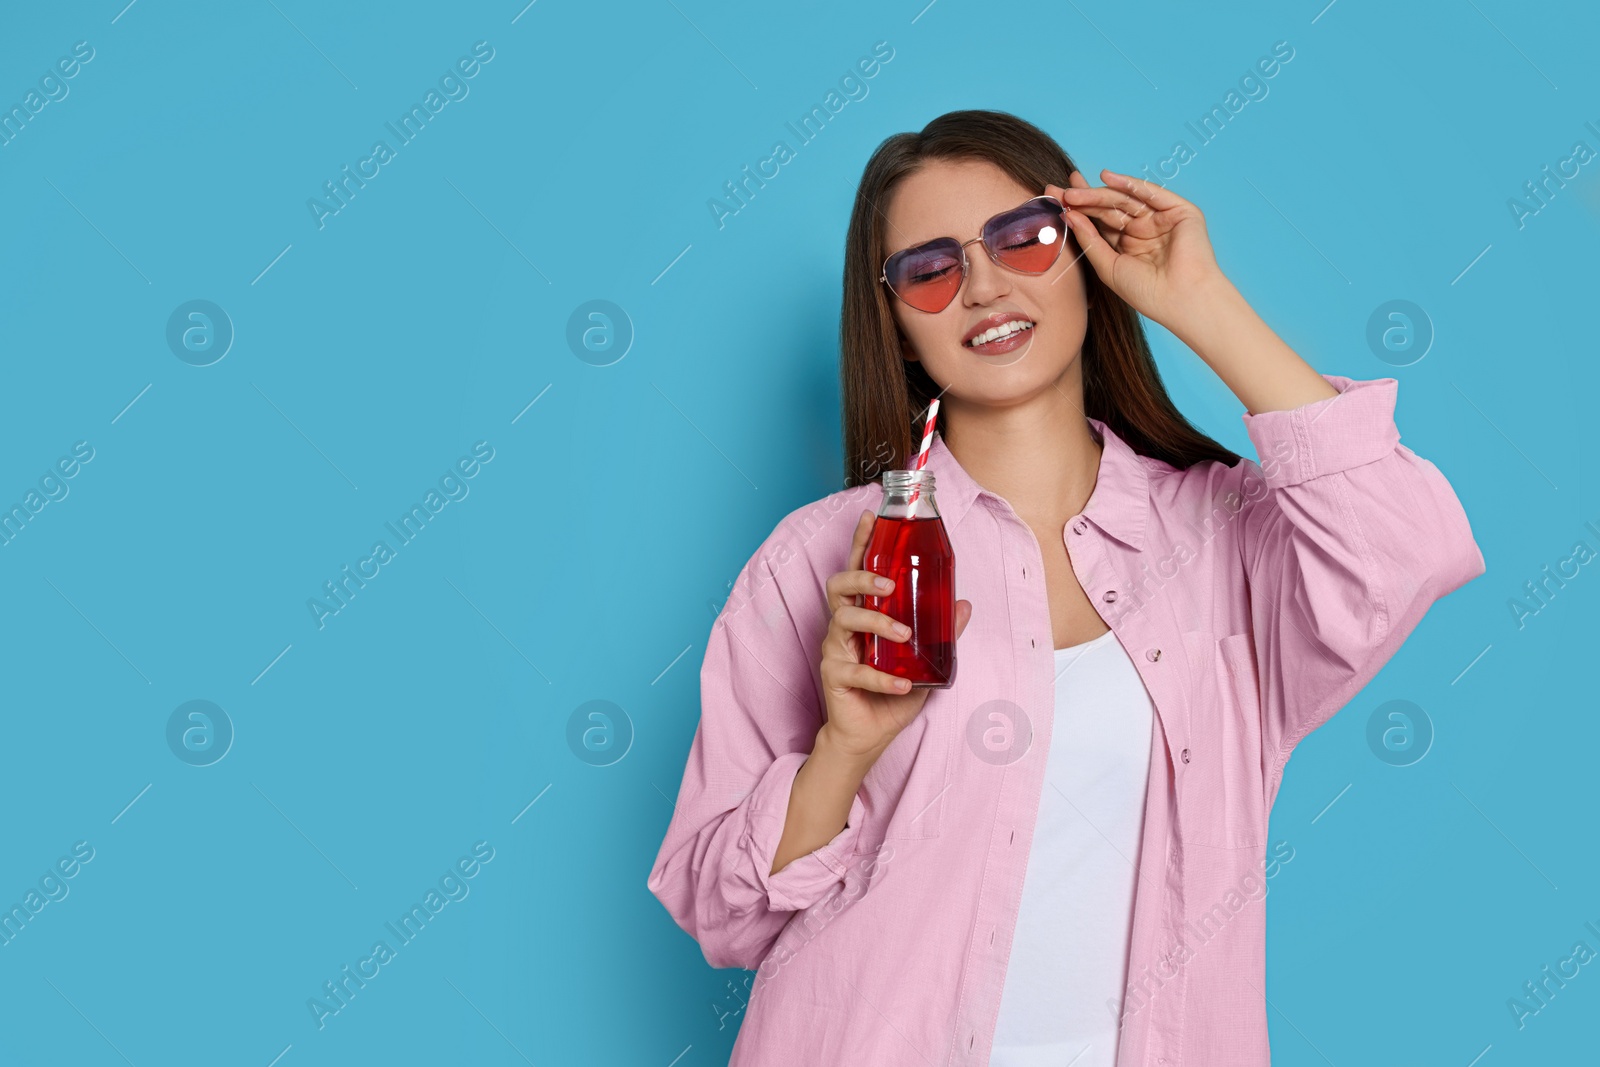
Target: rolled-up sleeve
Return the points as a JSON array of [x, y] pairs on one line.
[[714, 869], [1350, 541]]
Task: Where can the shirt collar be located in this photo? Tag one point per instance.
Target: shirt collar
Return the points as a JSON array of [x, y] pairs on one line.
[[1118, 504]]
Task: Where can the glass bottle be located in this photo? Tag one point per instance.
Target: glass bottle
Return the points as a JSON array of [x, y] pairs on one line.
[[909, 544]]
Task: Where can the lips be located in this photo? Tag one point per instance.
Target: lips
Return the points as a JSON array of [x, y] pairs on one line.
[[1000, 332]]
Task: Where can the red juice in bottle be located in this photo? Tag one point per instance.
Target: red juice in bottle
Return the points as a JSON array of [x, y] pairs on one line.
[[909, 544]]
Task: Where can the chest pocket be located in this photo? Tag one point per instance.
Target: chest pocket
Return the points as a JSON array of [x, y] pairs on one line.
[[1221, 787], [908, 785]]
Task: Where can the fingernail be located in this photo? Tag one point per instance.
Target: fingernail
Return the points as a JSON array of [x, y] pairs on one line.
[[902, 629], [882, 583]]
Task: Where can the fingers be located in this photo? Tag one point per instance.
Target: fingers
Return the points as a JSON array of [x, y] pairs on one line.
[[869, 620], [1158, 197], [1103, 199], [842, 666], [847, 671], [861, 676], [858, 545], [963, 616], [844, 587], [1115, 212], [1096, 249], [848, 617], [1114, 223], [840, 643], [1136, 196], [1071, 208]]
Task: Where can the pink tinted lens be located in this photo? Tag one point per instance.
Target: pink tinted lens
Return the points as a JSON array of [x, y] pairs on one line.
[[928, 276], [1028, 238]]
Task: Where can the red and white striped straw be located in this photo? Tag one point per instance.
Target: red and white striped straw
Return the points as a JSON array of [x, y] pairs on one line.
[[927, 440]]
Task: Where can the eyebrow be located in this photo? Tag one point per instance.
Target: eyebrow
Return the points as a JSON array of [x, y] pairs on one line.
[[918, 244], [936, 237]]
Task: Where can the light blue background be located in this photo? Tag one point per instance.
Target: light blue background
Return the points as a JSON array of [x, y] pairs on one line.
[[590, 554]]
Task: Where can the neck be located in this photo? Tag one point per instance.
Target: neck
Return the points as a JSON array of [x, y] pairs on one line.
[[1039, 455]]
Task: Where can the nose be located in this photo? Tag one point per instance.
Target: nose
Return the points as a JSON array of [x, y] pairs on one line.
[[987, 281]]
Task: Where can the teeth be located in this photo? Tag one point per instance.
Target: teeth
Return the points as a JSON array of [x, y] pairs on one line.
[[1005, 329]]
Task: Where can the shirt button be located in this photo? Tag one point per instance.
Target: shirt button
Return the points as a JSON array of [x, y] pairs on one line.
[[1079, 526], [1152, 654], [1111, 596], [1186, 755]]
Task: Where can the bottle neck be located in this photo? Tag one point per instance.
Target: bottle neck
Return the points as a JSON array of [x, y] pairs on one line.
[[908, 495]]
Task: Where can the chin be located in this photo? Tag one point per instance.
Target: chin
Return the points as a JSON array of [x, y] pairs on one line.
[[1001, 386], [1025, 365]]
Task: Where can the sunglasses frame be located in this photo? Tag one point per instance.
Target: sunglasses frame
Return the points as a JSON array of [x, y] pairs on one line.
[[883, 274]]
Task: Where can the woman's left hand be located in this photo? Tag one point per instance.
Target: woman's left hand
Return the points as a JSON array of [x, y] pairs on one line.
[[1147, 244]]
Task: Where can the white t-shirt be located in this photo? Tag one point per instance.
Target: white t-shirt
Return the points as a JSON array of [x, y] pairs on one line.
[[1069, 956]]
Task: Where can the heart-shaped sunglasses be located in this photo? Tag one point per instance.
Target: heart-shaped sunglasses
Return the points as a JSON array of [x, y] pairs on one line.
[[1027, 239]]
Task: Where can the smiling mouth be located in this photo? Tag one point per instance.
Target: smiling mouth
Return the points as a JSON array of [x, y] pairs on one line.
[[1002, 338]]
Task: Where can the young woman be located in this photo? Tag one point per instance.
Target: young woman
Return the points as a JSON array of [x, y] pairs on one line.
[[1061, 858]]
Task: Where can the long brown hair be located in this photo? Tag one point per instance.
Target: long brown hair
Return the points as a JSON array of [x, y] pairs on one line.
[[886, 396]]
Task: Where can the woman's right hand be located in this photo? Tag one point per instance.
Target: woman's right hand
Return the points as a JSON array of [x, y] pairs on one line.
[[865, 708]]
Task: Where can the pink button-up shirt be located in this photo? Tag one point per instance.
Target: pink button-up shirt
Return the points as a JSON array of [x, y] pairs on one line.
[[1255, 600]]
